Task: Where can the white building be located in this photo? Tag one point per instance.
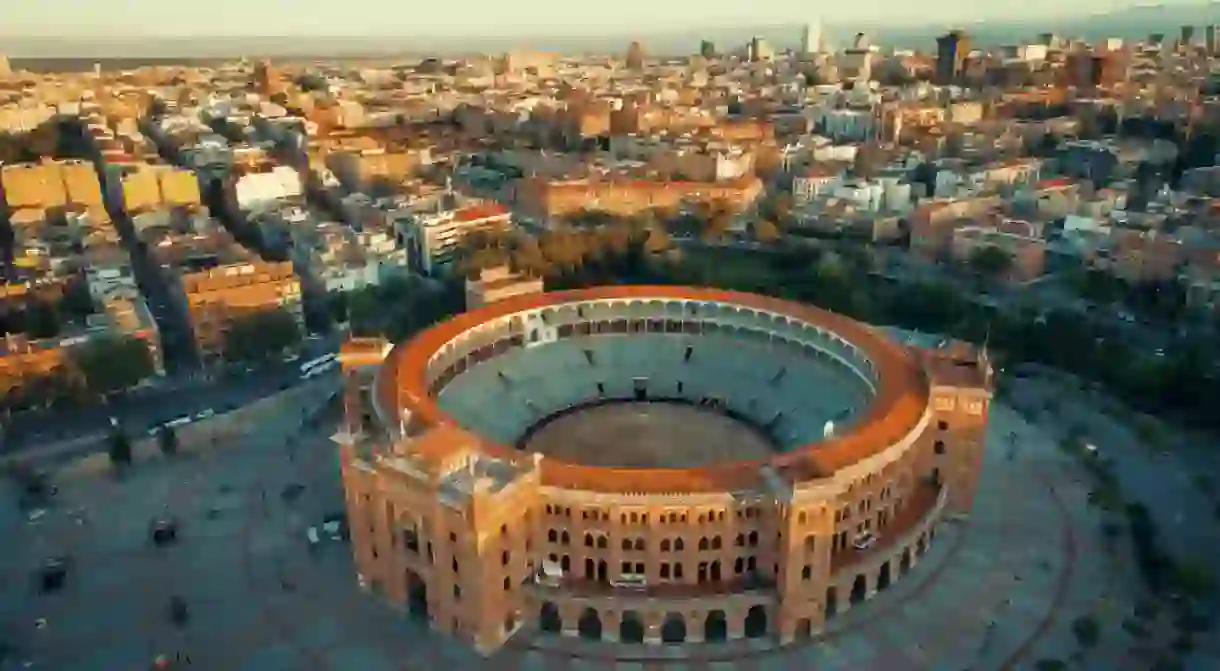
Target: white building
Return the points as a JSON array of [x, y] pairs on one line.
[[258, 189], [431, 239], [811, 38]]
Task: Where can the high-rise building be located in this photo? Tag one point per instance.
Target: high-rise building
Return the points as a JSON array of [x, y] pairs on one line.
[[707, 49], [5, 70], [1186, 35], [951, 51], [635, 56], [811, 38], [760, 50], [1209, 39], [266, 78], [1156, 39]]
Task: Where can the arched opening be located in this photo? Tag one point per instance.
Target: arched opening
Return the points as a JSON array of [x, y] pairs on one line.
[[883, 577], [904, 564], [590, 625], [756, 622], [859, 588], [631, 628], [832, 602], [673, 630], [417, 595], [549, 619], [714, 574], [715, 627], [590, 569], [921, 546], [804, 629], [603, 573]]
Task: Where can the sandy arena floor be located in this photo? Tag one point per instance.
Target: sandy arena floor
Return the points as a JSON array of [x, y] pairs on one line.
[[648, 435]]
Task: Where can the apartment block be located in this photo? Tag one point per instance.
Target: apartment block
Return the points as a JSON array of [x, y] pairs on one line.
[[215, 297], [143, 187], [550, 199], [432, 239], [497, 284]]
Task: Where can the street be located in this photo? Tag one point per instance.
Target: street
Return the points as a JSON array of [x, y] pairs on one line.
[[141, 409]]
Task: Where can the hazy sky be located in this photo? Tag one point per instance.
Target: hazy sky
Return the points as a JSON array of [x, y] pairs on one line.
[[488, 17]]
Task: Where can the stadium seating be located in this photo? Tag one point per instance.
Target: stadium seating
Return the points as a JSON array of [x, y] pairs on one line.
[[503, 397]]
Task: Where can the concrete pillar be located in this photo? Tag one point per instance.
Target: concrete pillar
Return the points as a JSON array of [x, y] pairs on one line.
[[737, 625]]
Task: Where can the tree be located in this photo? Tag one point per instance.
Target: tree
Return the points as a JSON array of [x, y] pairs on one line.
[[766, 231], [113, 363], [261, 336], [990, 262], [120, 449], [167, 439], [1086, 631]]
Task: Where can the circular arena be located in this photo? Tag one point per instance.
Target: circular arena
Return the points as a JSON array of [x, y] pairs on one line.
[[651, 465]]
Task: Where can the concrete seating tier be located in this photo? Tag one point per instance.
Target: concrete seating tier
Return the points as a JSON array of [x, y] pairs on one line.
[[503, 397]]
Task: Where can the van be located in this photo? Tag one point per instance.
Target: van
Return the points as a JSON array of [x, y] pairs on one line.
[[181, 421], [630, 581], [550, 573]]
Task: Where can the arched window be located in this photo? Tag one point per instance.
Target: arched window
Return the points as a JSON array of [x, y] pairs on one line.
[[552, 536], [679, 545], [626, 543], [565, 538], [716, 542], [602, 543], [665, 545], [588, 540], [741, 540], [753, 540], [703, 544], [639, 544]]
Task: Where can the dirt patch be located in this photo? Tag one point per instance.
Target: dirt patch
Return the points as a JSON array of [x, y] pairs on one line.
[[648, 435]]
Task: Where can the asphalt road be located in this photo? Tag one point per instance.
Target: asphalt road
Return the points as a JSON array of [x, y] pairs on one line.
[[142, 409]]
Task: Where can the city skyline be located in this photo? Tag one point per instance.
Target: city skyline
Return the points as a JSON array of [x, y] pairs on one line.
[[136, 18]]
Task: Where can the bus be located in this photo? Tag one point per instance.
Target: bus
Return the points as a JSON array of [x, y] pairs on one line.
[[319, 365]]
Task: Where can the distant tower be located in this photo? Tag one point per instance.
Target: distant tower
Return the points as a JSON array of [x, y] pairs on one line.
[[760, 50], [811, 38], [1186, 35], [1209, 39], [266, 77], [5, 70], [707, 49], [635, 56], [951, 51]]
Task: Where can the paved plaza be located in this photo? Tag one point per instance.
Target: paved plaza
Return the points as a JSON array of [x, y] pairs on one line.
[[997, 591]]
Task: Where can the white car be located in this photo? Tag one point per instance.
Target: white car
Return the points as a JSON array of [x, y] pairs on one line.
[[205, 413], [865, 541]]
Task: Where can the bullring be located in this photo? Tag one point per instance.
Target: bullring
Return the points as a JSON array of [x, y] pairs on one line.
[[472, 505]]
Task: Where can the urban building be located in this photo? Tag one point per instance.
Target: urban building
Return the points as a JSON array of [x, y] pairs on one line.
[[217, 296], [497, 284], [951, 52], [450, 522], [811, 38], [635, 56], [707, 49], [433, 238], [760, 50]]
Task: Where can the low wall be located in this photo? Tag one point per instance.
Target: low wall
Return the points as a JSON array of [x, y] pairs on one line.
[[89, 454]]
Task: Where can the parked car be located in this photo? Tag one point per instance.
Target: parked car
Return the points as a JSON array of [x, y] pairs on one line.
[[53, 574], [164, 532], [865, 541]]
